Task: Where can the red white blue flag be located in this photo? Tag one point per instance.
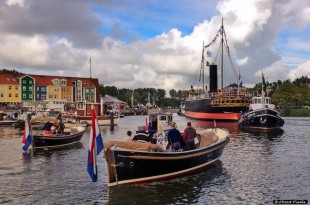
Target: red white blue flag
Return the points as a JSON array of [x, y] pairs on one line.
[[95, 147], [27, 137]]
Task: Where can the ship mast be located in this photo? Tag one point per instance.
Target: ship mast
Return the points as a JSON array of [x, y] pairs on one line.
[[203, 67], [90, 83], [222, 52]]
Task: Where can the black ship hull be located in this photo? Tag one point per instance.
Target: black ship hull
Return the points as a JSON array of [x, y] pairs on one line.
[[264, 118], [53, 141]]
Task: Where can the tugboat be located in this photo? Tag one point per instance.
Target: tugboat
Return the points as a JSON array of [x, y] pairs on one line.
[[262, 113]]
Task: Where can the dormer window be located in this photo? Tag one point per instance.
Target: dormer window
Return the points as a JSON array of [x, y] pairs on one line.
[[63, 82], [56, 82]]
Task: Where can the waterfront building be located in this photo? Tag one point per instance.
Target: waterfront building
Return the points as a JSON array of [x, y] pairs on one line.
[[31, 90]]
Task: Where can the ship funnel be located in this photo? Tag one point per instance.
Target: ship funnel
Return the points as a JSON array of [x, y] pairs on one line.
[[213, 78]]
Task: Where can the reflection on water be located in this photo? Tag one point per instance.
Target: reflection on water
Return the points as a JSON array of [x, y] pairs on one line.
[[255, 168], [185, 190]]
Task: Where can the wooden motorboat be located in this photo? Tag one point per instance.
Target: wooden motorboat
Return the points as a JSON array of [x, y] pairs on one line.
[[138, 162], [42, 140]]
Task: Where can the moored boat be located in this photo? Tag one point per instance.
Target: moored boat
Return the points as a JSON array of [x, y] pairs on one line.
[[82, 113], [223, 104], [138, 162]]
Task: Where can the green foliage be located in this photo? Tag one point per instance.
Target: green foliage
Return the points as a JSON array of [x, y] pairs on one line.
[[6, 71]]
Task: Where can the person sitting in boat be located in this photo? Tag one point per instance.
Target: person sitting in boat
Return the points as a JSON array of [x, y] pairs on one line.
[[141, 136], [159, 138], [189, 136], [61, 127], [49, 129], [174, 138], [128, 138]]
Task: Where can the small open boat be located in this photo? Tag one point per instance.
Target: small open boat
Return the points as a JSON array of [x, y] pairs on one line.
[[43, 141], [138, 162]]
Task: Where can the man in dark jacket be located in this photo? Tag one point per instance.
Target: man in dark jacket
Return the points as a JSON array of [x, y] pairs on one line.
[[174, 137], [189, 136]]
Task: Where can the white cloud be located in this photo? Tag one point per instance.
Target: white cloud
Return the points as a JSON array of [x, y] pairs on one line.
[[168, 60], [301, 70], [15, 2]]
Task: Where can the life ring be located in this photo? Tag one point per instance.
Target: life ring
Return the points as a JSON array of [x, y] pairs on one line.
[[263, 120]]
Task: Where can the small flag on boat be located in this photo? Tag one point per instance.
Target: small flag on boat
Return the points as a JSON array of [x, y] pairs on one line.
[[27, 137], [264, 85], [209, 54], [95, 147], [147, 125]]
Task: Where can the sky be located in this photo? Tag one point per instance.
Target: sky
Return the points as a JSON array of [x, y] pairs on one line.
[[155, 43]]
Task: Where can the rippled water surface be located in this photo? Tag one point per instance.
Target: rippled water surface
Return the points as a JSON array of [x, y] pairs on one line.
[[255, 168]]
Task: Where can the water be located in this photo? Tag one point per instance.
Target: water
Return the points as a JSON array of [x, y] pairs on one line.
[[255, 168]]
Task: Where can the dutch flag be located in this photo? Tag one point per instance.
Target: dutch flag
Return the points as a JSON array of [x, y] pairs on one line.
[[95, 147], [27, 137]]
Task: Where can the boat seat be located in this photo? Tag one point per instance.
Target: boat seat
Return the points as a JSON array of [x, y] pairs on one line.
[[132, 145], [67, 131], [206, 138]]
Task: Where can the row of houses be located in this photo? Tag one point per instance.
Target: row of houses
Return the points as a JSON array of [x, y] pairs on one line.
[[32, 89]]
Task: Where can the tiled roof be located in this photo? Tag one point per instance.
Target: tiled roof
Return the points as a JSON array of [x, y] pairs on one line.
[[46, 80], [9, 79]]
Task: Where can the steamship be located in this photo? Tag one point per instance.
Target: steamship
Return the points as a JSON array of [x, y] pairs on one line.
[[225, 104]]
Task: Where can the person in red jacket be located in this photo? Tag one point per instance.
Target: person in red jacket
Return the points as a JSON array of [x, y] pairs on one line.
[[189, 136]]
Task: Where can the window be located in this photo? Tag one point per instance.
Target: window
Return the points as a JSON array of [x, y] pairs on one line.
[[24, 95], [63, 82], [55, 96], [43, 89], [30, 82], [1, 87], [30, 95], [24, 81], [24, 88], [16, 87], [63, 89], [16, 95], [43, 97], [38, 88], [10, 87], [38, 96], [56, 82], [86, 90], [50, 96], [30, 88], [1, 95], [10, 95]]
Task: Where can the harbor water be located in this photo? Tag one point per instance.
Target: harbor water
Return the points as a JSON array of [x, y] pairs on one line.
[[255, 168]]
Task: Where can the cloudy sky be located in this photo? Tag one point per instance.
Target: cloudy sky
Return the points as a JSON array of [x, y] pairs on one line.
[[155, 43]]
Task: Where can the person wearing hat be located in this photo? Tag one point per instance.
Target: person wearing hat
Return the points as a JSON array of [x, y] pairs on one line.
[[174, 137]]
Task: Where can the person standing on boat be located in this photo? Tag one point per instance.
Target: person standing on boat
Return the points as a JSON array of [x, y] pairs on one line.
[[189, 136], [174, 137]]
